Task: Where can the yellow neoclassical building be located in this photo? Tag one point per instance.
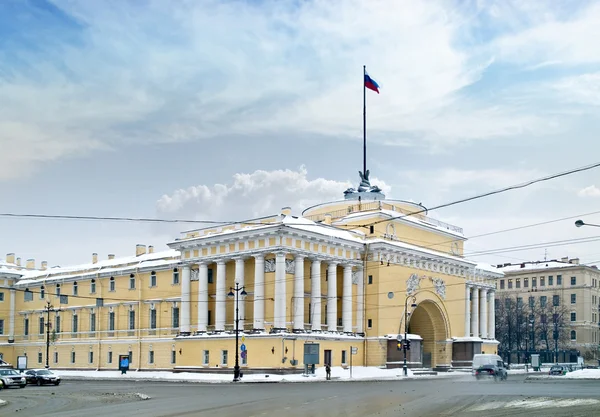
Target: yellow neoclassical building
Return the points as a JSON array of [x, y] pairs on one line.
[[339, 279]]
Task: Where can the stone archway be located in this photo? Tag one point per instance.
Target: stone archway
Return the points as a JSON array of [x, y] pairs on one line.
[[427, 321]]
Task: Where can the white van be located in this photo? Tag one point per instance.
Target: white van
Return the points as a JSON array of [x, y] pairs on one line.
[[481, 359]]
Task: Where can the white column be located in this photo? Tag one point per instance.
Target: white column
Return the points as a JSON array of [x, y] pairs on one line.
[[347, 299], [220, 297], [11, 319], [475, 312], [240, 279], [467, 311], [360, 304], [299, 293], [332, 297], [492, 315], [279, 308], [483, 313], [259, 292], [315, 294], [202, 297], [184, 324]]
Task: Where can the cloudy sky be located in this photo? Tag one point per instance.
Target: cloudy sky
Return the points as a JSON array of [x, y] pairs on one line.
[[224, 110]]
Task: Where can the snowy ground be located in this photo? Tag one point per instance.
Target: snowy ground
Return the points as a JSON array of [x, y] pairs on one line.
[[580, 374], [359, 373]]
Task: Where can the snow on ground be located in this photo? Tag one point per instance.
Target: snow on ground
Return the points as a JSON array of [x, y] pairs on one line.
[[583, 374], [337, 373], [530, 403]]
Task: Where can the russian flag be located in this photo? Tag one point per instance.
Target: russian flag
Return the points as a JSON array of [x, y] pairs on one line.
[[371, 84]]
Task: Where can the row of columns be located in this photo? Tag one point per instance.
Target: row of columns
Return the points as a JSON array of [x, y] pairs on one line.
[[480, 314], [280, 304]]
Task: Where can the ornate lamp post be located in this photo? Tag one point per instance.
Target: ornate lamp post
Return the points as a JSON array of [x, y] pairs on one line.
[[236, 292], [413, 305], [48, 309]]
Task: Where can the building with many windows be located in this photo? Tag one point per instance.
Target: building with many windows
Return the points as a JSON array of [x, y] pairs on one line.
[[565, 286], [343, 275]]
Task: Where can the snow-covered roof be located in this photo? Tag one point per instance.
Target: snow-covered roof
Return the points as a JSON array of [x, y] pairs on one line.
[[536, 266], [8, 268], [301, 223]]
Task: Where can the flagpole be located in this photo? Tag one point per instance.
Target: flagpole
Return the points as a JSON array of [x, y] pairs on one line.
[[364, 122]]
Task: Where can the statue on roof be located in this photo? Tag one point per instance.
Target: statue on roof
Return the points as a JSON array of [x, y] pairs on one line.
[[364, 187], [365, 184]]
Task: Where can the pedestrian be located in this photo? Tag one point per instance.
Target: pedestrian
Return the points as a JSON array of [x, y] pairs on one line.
[[328, 371]]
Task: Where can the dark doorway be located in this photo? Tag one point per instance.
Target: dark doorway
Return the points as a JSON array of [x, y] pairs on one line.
[[327, 357]]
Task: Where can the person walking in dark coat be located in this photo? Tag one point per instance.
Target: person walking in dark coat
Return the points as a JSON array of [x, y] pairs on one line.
[[328, 371]]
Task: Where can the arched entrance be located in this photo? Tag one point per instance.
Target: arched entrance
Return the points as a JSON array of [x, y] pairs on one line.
[[428, 322]]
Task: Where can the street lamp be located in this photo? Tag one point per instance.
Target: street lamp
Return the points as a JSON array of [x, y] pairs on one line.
[[580, 223], [49, 307], [241, 291], [413, 305]]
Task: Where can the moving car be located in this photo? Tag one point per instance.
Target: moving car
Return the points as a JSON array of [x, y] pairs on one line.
[[498, 372], [11, 378], [41, 377], [559, 370]]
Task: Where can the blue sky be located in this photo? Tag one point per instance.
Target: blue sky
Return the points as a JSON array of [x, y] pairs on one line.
[[154, 108]]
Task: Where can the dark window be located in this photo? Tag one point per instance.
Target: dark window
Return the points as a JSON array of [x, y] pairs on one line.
[[559, 280], [573, 280], [153, 279], [75, 288], [573, 316], [175, 276], [28, 295], [550, 280], [26, 327], [42, 325], [111, 284], [573, 335], [75, 323], [573, 298], [109, 360], [210, 276], [370, 323], [531, 302], [370, 280], [525, 282], [173, 356], [175, 317], [555, 300], [533, 282], [501, 284], [153, 319], [40, 357], [131, 320], [543, 301]]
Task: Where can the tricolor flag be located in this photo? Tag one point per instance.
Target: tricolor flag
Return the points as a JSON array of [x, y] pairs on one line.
[[371, 84]]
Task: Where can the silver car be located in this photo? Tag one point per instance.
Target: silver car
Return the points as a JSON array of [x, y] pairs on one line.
[[11, 378]]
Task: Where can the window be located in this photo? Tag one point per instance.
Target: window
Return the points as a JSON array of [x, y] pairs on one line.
[[519, 302], [370, 323], [309, 313], [75, 324], [556, 300], [27, 295], [75, 288], [531, 302], [73, 357], [559, 280], [131, 282], [111, 321], [58, 290], [152, 318], [109, 358], [93, 321], [525, 282], [543, 301], [40, 357], [111, 284], [91, 356], [1, 296], [543, 318], [175, 276], [151, 357], [131, 319], [370, 279], [153, 279], [42, 293], [573, 335], [57, 324], [210, 276], [501, 284], [175, 323], [173, 357], [533, 282], [344, 353], [223, 358], [26, 327], [55, 357], [93, 287], [542, 282], [573, 316], [518, 283], [573, 298], [1, 326], [573, 280], [130, 353], [550, 280], [205, 357], [210, 323], [510, 284], [42, 325]]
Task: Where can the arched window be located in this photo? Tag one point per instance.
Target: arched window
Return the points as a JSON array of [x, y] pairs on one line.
[[573, 335], [111, 284]]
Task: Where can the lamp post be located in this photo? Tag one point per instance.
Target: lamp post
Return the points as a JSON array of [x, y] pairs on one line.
[[580, 223], [48, 309], [236, 292], [413, 305]]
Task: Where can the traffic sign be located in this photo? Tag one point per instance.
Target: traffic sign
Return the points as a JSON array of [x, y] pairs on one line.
[[243, 355], [243, 339], [243, 347]]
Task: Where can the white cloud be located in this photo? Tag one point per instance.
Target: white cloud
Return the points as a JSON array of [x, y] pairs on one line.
[[591, 191], [581, 89], [259, 193]]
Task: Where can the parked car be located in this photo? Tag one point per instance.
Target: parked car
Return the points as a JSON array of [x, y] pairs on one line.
[[498, 372], [4, 364], [41, 377], [11, 378], [559, 370]]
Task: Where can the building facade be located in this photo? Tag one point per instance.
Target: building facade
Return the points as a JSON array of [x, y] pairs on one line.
[[565, 288], [342, 277]]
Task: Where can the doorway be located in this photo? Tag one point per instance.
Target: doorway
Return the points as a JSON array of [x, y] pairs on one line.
[[327, 357]]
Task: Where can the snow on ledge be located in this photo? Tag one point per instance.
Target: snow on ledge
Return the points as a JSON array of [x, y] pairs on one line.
[[410, 336]]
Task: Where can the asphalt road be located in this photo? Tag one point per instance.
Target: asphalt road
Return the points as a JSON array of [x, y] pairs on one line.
[[460, 396]]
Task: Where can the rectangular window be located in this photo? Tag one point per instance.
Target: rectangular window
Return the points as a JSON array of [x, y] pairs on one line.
[[75, 324], [556, 300], [573, 280], [210, 276], [42, 293], [519, 302], [573, 298], [543, 318], [370, 279], [525, 282], [1, 326], [533, 282], [210, 323], [93, 287], [42, 330], [531, 302], [28, 295], [344, 353], [91, 356], [132, 320], [175, 277], [175, 317], [153, 319], [550, 280], [58, 290], [55, 357], [92, 322], [73, 357], [518, 283], [26, 327], [75, 288], [130, 353], [153, 279], [173, 357], [1, 296], [111, 321], [543, 301], [57, 324], [559, 280], [151, 357], [309, 313], [223, 358], [111, 286], [573, 316], [510, 285], [109, 359], [205, 357], [40, 357], [369, 323], [132, 283], [542, 282], [501, 284]]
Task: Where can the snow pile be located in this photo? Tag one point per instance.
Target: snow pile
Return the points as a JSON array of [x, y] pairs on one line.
[[583, 374], [532, 403]]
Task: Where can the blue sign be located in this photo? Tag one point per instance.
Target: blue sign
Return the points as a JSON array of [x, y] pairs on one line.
[[243, 347]]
